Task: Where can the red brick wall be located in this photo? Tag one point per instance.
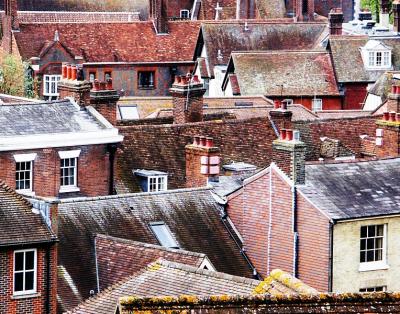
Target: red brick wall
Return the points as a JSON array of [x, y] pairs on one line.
[[93, 170], [31, 305], [391, 140], [194, 177], [328, 103], [355, 95]]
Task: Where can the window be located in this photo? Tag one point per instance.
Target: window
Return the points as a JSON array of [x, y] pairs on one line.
[[25, 272], [146, 79], [23, 176], [68, 170], [107, 75], [316, 104], [386, 58], [373, 289], [379, 59], [157, 184], [163, 235], [371, 59], [129, 112], [92, 76], [372, 247], [184, 14], [50, 85]]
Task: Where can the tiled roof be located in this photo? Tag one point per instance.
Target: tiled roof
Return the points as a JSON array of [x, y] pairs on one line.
[[342, 114], [232, 36], [301, 73], [193, 216], [45, 118], [117, 258], [347, 59], [110, 42], [18, 224], [268, 9], [354, 189], [165, 278]]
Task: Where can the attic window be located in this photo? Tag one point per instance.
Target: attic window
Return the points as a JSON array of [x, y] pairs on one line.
[[184, 14], [152, 180], [163, 235], [376, 55]]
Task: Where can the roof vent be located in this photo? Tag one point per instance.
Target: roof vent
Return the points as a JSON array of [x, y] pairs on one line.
[[219, 55]]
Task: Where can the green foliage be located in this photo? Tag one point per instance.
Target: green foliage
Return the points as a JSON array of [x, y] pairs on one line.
[[11, 76], [29, 83], [373, 6]]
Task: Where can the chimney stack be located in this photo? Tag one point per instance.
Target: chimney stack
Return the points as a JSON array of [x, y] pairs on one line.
[[384, 13], [289, 154], [158, 13], [304, 10], [335, 21], [245, 9], [104, 99], [388, 128], [281, 115], [396, 15], [187, 93], [70, 86], [9, 24], [202, 162]]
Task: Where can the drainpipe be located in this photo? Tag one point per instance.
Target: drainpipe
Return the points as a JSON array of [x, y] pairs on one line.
[[295, 233], [330, 270], [48, 281], [111, 148], [97, 267]]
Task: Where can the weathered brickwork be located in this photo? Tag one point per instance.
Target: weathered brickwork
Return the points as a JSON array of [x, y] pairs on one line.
[[38, 303], [93, 170], [391, 139]]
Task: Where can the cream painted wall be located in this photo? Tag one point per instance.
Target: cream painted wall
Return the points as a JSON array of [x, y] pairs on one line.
[[346, 257]]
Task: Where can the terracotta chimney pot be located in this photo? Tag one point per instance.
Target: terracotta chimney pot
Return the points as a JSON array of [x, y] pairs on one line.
[[392, 116], [202, 141], [289, 134], [196, 140], [386, 116], [209, 142], [283, 134]]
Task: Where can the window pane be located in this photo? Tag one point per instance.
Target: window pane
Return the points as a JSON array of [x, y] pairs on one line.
[[29, 278], [379, 230], [19, 261], [370, 256], [362, 244], [164, 236], [371, 231], [29, 260], [19, 282], [370, 244]]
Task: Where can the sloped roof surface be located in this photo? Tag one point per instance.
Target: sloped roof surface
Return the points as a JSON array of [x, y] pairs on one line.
[[165, 278], [117, 258], [45, 118], [301, 73], [232, 36], [18, 225], [111, 42], [354, 189], [191, 215]]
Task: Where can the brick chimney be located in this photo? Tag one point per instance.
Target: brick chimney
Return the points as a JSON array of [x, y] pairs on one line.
[[245, 9], [281, 116], [384, 13], [104, 98], [335, 21], [9, 24], [388, 128], [187, 93], [71, 86], [202, 162], [289, 155], [396, 15], [304, 10], [158, 14]]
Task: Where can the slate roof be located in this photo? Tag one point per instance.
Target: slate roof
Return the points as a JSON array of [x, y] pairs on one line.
[[110, 42], [18, 224], [117, 258], [165, 278], [302, 73], [193, 216], [354, 189], [45, 118], [347, 59], [261, 35]]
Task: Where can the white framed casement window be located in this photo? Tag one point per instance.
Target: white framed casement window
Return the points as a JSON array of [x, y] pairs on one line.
[[374, 289], [184, 14], [50, 85], [25, 272], [163, 234], [373, 247], [379, 59], [69, 170], [157, 183], [317, 104], [24, 173]]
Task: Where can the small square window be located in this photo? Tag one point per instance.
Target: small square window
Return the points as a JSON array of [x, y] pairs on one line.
[[25, 262], [146, 79], [50, 86], [157, 184], [185, 14], [163, 235]]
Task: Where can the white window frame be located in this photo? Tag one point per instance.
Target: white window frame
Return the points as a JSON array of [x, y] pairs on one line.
[[164, 186], [385, 59], [28, 158], [71, 154], [375, 265], [186, 11], [52, 88], [319, 107], [25, 292], [373, 289]]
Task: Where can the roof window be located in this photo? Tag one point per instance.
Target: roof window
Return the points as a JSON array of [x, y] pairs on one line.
[[163, 234]]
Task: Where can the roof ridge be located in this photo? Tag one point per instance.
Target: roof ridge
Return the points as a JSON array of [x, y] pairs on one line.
[[149, 245], [132, 195]]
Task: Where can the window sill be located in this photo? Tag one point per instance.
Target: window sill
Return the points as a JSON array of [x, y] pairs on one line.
[[372, 266], [147, 88], [67, 189], [25, 296]]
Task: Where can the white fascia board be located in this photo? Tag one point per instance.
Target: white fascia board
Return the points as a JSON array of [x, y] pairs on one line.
[[22, 142]]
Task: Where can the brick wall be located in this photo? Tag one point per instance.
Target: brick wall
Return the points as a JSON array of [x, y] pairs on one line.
[[93, 170], [30, 305], [391, 139]]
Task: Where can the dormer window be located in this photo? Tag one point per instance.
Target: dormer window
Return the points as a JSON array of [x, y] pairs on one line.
[[376, 55], [151, 180]]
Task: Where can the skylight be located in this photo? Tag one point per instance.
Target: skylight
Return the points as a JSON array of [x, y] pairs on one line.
[[164, 235]]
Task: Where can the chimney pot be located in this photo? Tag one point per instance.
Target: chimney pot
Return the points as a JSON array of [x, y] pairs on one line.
[[283, 134], [103, 85], [177, 80], [64, 70], [109, 84], [289, 134], [398, 117], [69, 71], [73, 72], [196, 140], [96, 85], [184, 80], [386, 116], [392, 116], [196, 79], [277, 104], [284, 105], [202, 141], [209, 142]]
